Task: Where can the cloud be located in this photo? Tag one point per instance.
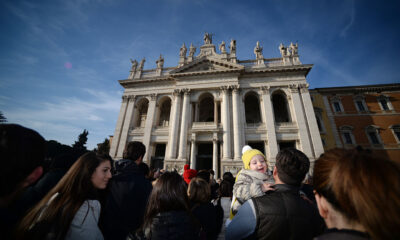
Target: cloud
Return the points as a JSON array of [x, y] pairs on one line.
[[343, 33], [63, 119]]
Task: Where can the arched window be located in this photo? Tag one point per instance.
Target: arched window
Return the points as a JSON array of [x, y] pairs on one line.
[[359, 101], [347, 135], [396, 132], [252, 108], [281, 111], [372, 132], [206, 108], [142, 107], [165, 110]]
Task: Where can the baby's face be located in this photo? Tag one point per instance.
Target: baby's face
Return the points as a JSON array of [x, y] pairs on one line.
[[257, 163]]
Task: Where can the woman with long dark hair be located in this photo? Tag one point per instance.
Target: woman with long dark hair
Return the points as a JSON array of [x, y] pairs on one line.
[[358, 195], [167, 214], [71, 209]]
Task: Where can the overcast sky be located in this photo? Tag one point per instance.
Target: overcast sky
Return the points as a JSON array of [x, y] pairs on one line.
[[60, 61]]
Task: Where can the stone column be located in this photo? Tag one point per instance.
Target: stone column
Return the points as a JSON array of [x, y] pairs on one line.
[[301, 121], [236, 123], [184, 123], [174, 120], [215, 154], [193, 152], [127, 126], [225, 115], [148, 128], [270, 124], [118, 128], [216, 112], [312, 122]]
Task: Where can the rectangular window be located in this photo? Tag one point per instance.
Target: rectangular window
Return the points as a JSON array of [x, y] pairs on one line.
[[373, 137], [347, 138], [319, 124], [360, 106], [384, 104], [397, 132], [337, 107]]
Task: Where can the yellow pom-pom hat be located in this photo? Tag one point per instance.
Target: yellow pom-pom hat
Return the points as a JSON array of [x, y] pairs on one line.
[[247, 154]]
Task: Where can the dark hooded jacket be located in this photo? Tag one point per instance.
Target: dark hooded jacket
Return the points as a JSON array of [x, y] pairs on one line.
[[126, 202]]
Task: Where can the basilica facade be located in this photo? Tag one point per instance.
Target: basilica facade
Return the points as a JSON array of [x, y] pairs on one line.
[[204, 110]]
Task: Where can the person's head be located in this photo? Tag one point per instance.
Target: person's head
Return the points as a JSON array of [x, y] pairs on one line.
[[144, 168], [199, 191], [225, 189], [228, 176], [291, 166], [253, 159], [168, 194], [360, 188], [22, 157], [90, 173], [134, 151], [205, 175]]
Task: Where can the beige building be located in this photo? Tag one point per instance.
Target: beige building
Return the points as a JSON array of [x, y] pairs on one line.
[[204, 110]]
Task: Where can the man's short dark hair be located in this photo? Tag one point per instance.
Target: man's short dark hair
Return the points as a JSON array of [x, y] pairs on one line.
[[205, 175], [22, 150], [134, 150], [292, 166]]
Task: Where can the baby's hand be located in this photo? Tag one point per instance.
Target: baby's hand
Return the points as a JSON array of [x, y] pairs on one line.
[[266, 186]]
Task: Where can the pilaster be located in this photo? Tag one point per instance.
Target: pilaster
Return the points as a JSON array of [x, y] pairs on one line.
[[184, 123], [215, 154], [118, 128], [127, 126], [270, 124], [237, 141], [149, 126], [301, 121], [193, 151], [312, 122], [226, 116], [174, 120]]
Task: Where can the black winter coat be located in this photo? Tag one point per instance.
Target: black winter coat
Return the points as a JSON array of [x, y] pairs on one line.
[[283, 214], [208, 218], [126, 201], [173, 225]]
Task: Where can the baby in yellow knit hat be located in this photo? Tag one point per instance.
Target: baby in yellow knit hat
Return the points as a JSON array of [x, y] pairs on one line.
[[253, 180]]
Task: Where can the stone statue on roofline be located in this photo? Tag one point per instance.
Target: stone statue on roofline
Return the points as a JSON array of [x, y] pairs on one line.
[[258, 51], [207, 38], [294, 49], [160, 62], [142, 64], [192, 50], [232, 46], [282, 50], [183, 50], [222, 47], [134, 65]]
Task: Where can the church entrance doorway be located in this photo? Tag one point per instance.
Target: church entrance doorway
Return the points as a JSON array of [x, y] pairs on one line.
[[158, 160], [204, 156], [258, 145]]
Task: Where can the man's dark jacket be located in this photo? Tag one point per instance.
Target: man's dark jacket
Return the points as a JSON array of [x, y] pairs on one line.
[[174, 225], [126, 202], [283, 214]]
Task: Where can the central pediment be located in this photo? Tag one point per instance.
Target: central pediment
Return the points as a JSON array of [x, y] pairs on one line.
[[207, 64]]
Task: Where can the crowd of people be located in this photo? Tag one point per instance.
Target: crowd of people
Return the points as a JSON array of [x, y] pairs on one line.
[[347, 194]]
